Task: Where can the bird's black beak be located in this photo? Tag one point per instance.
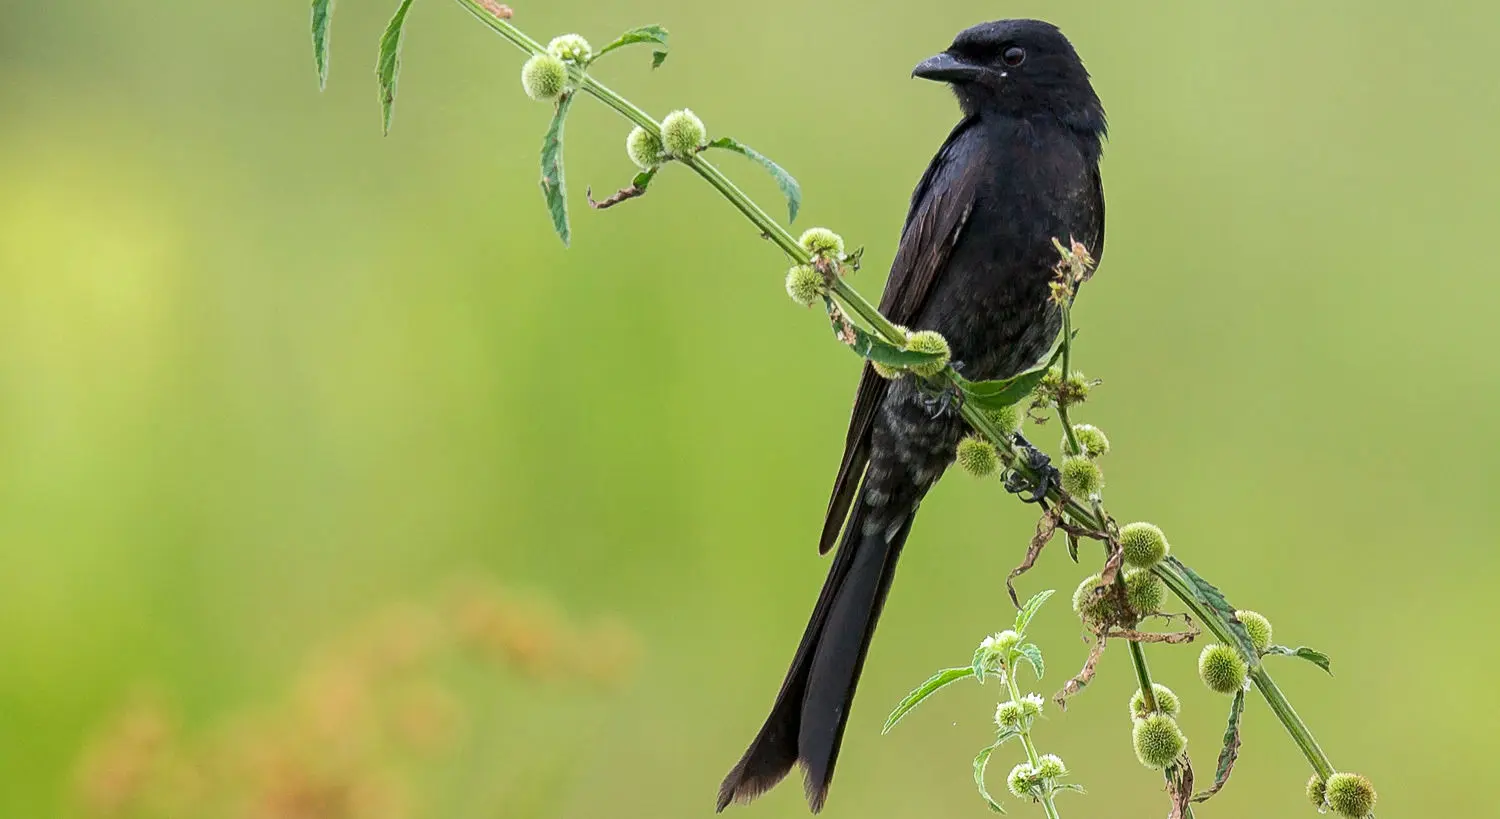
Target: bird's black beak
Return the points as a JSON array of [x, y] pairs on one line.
[[945, 67]]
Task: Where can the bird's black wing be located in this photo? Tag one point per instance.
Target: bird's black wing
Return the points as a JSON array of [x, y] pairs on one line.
[[940, 206]]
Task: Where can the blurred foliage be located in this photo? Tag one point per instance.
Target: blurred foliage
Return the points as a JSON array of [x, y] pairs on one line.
[[407, 716], [262, 370]]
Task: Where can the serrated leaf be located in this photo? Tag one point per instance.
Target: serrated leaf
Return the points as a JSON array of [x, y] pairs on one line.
[[1311, 655], [641, 34], [943, 678], [388, 65], [322, 35], [785, 181], [981, 762], [1032, 653], [1002, 393], [1231, 749], [554, 187], [1210, 596], [1029, 610], [981, 655]]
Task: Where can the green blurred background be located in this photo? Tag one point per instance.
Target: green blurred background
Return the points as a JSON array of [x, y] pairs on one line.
[[264, 372]]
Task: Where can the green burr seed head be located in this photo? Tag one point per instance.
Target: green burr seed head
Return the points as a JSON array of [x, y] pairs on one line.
[[804, 285], [644, 148], [1158, 741], [929, 341], [1091, 438], [1350, 795], [1317, 791], [1221, 668], [888, 373], [1008, 419], [820, 241], [1144, 544], [977, 456], [1008, 714], [683, 133], [1023, 778], [544, 77], [1081, 477], [1051, 766], [1031, 705], [1144, 591], [1166, 702], [1258, 627], [570, 47]]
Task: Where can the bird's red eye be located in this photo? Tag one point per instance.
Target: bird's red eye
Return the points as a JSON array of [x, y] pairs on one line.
[[1014, 56]]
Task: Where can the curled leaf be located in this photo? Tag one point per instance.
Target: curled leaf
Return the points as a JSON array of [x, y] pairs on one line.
[[388, 65], [785, 181], [554, 187], [941, 679], [322, 17], [1311, 655], [641, 34]]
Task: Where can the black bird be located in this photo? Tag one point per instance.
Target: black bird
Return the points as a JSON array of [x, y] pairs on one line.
[[976, 255]]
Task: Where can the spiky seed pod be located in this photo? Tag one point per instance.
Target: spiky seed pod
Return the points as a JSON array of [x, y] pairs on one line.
[[644, 148], [1081, 477], [682, 133], [1031, 705], [1051, 766], [1091, 438], [804, 285], [1258, 627], [1317, 791], [1023, 778], [888, 373], [1092, 609], [1350, 795], [820, 241], [1144, 591], [1144, 544], [1158, 741], [544, 77], [1008, 419], [929, 341], [1008, 715], [978, 457], [570, 47], [1166, 702], [1221, 668]]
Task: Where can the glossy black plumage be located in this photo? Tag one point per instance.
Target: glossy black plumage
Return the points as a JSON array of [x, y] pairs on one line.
[[976, 254]]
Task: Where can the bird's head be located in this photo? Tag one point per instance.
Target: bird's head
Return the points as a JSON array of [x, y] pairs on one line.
[[1019, 68]]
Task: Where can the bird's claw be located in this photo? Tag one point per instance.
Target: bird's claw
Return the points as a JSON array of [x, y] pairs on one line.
[[1037, 461], [941, 400]]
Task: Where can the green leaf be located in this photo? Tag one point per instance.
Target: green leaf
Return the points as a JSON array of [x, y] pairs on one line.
[[1311, 655], [643, 179], [388, 66], [981, 656], [870, 346], [945, 677], [788, 184], [1210, 596], [1029, 610], [642, 34], [980, 763], [1032, 653], [322, 17], [1002, 393], [554, 187], [1231, 750], [1069, 786]]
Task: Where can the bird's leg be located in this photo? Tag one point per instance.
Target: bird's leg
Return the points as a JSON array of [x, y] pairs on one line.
[[941, 399], [1038, 462]]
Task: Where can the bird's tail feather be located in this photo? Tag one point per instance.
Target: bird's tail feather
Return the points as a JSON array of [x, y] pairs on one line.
[[807, 722]]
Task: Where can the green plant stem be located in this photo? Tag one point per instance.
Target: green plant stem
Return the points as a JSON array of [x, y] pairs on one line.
[[1067, 357], [1078, 511], [1048, 805]]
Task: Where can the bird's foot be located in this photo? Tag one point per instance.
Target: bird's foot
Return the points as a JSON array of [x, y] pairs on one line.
[[1038, 462], [941, 399]]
